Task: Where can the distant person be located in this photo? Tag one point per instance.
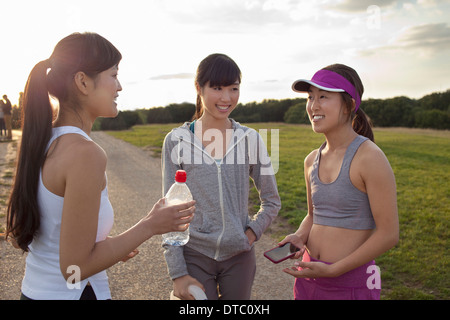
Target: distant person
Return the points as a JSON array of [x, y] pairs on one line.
[[219, 256], [59, 210], [351, 193], [7, 115], [2, 119]]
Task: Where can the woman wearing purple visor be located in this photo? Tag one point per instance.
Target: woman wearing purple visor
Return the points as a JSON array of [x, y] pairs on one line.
[[351, 193]]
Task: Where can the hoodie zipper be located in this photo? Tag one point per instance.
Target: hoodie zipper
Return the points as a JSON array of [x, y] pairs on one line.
[[219, 178]]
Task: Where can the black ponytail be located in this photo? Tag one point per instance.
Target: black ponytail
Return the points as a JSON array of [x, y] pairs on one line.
[[23, 218], [362, 124]]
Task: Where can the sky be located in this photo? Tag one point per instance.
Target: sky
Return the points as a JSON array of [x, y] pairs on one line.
[[399, 48]]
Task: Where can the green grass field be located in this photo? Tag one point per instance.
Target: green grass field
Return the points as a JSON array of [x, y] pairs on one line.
[[418, 267]]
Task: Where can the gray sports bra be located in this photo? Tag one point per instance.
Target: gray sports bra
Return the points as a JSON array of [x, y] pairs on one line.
[[340, 203]]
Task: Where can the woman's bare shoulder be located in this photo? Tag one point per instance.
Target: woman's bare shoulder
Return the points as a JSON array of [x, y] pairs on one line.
[[309, 159], [79, 153]]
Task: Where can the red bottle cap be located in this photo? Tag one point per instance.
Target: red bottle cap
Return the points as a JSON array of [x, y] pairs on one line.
[[180, 176]]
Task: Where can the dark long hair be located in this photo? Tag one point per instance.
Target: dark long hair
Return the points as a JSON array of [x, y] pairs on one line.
[[217, 69], [361, 123], [86, 52]]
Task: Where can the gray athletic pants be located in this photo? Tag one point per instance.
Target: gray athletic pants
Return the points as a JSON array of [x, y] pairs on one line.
[[231, 279]]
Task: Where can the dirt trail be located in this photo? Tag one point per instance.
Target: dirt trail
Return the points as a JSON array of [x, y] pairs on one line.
[[134, 185]]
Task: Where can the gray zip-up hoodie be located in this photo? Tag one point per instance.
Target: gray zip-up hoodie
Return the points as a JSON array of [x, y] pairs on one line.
[[221, 189]]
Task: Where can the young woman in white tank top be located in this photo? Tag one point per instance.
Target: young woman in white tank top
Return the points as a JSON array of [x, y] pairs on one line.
[[59, 209], [340, 238]]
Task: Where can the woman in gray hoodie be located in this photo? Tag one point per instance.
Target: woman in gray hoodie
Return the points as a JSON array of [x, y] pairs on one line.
[[219, 156]]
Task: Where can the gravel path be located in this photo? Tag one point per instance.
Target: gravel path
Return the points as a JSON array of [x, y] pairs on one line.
[[134, 185]]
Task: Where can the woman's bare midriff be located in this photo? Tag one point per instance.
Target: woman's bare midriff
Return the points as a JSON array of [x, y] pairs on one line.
[[331, 244]]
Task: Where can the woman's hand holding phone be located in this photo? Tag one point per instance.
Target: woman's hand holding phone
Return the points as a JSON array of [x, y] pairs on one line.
[[296, 241]]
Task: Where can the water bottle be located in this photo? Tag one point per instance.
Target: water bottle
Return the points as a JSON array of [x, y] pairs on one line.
[[177, 194], [196, 292]]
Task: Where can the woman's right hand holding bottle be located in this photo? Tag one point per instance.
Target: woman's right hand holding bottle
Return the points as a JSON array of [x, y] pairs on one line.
[[162, 218]]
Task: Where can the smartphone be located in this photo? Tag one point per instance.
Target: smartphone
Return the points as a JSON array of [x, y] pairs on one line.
[[281, 253]]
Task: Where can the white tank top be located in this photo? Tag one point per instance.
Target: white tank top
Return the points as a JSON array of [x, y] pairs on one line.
[[43, 279]]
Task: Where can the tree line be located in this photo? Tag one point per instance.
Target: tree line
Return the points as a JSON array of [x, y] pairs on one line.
[[431, 111]]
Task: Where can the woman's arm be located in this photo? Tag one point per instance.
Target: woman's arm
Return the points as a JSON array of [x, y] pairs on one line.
[[85, 180], [176, 264], [264, 180]]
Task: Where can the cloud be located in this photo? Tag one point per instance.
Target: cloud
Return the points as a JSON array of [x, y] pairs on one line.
[[358, 5], [237, 16], [426, 39], [173, 76], [432, 36], [427, 3]]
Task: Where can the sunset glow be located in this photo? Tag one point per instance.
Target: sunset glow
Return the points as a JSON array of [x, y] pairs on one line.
[[398, 47]]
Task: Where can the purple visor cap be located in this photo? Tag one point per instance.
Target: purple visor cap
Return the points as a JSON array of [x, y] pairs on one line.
[[328, 81]]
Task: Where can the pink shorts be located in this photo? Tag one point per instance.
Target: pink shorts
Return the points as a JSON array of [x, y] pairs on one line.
[[362, 283]]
